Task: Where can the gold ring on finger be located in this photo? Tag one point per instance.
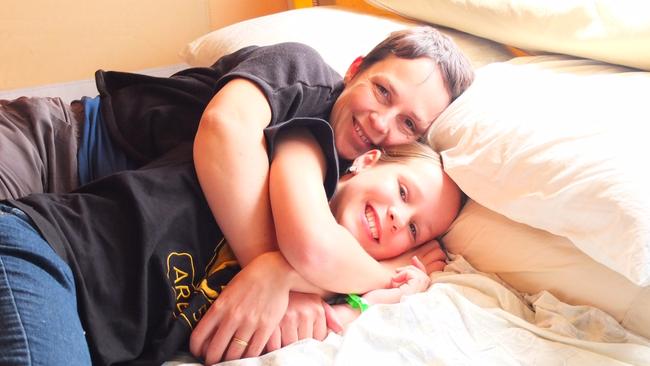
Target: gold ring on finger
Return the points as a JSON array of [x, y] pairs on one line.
[[240, 342]]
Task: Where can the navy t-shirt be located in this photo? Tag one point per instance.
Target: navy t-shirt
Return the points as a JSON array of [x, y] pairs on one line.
[[147, 116]]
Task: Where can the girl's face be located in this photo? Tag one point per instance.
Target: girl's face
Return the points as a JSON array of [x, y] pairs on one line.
[[391, 102], [392, 207]]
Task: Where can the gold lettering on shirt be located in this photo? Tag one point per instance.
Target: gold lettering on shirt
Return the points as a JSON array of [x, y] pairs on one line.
[[182, 292], [180, 271], [194, 297], [180, 274]]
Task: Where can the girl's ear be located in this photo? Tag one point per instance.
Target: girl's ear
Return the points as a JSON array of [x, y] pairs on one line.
[[365, 161], [353, 69]]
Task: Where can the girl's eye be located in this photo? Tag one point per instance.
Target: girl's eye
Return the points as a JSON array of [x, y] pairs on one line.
[[410, 124], [414, 230], [402, 192]]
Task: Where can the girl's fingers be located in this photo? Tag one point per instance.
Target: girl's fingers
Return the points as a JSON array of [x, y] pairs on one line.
[[418, 264], [436, 266]]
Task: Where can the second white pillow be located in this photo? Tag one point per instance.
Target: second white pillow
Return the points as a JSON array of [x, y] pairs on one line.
[[558, 144]]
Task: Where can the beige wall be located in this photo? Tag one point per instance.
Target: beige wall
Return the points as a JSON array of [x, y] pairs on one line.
[[225, 12], [53, 41]]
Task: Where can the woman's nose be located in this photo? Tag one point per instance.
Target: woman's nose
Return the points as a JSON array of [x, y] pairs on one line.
[[379, 122]]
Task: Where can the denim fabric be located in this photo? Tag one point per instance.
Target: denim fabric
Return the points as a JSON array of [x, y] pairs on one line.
[[39, 322]]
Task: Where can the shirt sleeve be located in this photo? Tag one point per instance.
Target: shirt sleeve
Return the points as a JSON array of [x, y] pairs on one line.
[[294, 78], [322, 132]]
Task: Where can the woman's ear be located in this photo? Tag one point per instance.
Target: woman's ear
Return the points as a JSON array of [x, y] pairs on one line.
[[368, 159], [353, 69]]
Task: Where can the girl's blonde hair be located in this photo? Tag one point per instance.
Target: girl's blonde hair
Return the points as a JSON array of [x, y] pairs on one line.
[[413, 150]]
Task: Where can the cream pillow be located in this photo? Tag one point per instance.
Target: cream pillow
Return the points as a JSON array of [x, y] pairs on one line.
[[531, 260], [558, 144], [339, 34], [612, 31]]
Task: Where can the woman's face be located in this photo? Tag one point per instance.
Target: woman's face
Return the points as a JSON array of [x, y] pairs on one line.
[[392, 102], [392, 207]]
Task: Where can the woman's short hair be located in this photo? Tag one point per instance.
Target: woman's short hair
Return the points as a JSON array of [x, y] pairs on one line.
[[426, 41]]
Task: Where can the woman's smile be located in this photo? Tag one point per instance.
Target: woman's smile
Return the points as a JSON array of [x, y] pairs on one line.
[[360, 132]]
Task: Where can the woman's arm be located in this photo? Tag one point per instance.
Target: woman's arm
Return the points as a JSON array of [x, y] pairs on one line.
[[320, 250], [232, 166]]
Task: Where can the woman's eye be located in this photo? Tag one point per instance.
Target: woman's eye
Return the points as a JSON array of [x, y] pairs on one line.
[[414, 230], [382, 91]]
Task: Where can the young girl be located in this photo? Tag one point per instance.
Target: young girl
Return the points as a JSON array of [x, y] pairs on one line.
[[390, 203], [104, 273]]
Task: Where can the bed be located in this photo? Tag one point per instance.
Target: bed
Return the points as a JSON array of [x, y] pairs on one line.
[[551, 253], [550, 256]]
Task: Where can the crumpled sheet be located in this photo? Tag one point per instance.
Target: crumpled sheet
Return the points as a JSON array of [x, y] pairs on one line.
[[470, 318]]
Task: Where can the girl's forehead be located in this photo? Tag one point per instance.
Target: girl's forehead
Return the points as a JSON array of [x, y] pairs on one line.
[[417, 172]]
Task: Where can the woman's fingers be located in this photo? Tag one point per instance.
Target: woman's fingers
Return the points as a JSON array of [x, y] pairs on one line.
[[332, 318], [219, 343], [202, 334], [260, 339], [289, 330], [239, 343], [274, 342], [328, 321]]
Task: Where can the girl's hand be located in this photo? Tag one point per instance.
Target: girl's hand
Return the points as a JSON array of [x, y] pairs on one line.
[[429, 253], [411, 279], [345, 314]]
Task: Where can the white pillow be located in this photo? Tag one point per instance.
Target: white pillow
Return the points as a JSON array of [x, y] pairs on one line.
[[558, 144], [532, 260], [607, 30], [339, 34]]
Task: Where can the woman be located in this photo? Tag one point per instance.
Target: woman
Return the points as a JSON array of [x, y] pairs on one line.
[[136, 117]]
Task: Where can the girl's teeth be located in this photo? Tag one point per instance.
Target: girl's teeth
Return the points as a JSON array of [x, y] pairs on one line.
[[371, 223]]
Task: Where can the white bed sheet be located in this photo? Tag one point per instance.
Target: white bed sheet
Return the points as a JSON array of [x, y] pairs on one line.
[[469, 318]]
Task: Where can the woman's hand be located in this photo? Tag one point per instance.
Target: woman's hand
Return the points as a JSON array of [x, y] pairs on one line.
[[241, 320], [429, 253], [307, 316]]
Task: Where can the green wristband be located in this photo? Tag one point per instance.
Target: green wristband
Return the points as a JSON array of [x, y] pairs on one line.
[[357, 302]]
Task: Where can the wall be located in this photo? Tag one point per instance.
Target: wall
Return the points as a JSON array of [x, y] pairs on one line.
[[54, 41], [223, 12]]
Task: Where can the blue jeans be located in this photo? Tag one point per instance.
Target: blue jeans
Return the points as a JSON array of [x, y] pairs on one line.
[[39, 322]]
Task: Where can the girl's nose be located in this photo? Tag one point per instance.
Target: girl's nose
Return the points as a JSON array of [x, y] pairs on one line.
[[395, 217]]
